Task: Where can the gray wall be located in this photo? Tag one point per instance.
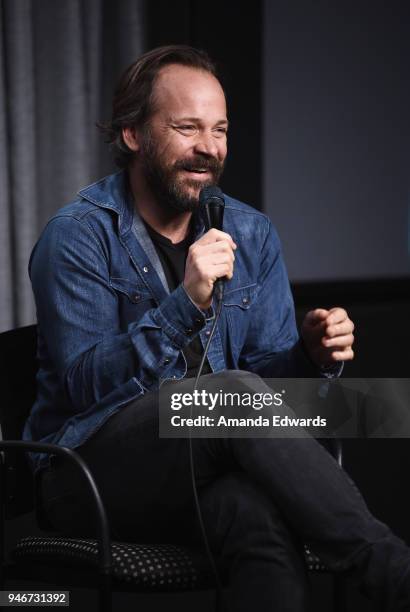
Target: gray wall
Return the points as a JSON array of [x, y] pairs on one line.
[[336, 141]]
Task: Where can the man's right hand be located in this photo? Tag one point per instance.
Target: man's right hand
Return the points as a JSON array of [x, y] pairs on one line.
[[209, 258]]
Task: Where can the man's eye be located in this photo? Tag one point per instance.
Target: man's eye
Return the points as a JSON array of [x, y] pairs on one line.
[[221, 131], [186, 128]]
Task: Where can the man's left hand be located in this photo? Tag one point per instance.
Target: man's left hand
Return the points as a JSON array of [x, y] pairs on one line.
[[328, 336]]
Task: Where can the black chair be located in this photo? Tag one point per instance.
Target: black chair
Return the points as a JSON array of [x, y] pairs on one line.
[[78, 562]]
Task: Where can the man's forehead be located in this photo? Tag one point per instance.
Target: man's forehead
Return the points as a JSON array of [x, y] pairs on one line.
[[180, 73], [178, 85]]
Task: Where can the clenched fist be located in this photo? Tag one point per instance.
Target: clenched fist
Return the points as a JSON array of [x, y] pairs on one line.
[[209, 258], [328, 336]]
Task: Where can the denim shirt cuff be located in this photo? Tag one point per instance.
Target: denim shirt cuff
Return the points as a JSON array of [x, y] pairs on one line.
[[305, 362], [180, 318], [209, 313]]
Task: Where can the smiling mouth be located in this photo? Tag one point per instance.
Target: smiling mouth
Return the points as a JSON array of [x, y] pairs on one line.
[[197, 170]]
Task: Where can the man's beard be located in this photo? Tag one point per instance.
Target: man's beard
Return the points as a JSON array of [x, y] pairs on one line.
[[170, 192]]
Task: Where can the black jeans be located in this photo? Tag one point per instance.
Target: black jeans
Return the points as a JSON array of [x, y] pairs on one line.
[[260, 499]]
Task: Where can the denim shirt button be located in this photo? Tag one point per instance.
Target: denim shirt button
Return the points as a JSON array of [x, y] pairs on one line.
[[166, 361], [145, 269], [137, 297], [208, 332], [188, 331], [245, 300]]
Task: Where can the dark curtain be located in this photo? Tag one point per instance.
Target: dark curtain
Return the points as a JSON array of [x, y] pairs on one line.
[[59, 64]]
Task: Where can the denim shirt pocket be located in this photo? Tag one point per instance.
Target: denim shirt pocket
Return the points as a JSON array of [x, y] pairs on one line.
[[134, 299], [238, 309]]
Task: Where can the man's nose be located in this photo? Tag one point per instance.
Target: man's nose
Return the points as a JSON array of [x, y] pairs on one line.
[[206, 145]]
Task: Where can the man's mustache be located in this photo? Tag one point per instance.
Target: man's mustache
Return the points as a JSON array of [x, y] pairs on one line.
[[204, 163]]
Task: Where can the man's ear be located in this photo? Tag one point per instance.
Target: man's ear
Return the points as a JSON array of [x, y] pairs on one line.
[[131, 138]]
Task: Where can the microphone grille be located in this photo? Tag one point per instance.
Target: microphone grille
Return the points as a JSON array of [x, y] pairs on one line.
[[210, 192]]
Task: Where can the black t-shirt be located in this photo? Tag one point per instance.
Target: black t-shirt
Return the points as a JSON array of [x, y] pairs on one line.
[[173, 258]]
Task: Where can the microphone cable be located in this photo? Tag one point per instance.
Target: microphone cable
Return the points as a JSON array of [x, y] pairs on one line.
[[220, 603]]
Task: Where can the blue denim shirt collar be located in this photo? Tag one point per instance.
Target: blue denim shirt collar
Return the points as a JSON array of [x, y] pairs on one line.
[[112, 192]]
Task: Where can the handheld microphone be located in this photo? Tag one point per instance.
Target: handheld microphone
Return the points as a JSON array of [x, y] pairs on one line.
[[211, 207]]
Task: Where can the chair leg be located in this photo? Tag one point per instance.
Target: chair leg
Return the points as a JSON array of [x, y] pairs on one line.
[[339, 594], [105, 593]]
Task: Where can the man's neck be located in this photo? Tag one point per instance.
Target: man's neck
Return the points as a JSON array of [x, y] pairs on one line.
[[172, 225]]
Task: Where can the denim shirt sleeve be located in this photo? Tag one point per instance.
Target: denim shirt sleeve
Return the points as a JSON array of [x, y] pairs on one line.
[[77, 311], [273, 349]]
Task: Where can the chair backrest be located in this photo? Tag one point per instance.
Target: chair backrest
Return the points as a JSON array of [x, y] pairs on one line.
[[18, 368]]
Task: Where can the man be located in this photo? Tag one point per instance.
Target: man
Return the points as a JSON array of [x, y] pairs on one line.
[[123, 280]]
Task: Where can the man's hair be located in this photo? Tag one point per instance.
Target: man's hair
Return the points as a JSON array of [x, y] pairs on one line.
[[133, 101]]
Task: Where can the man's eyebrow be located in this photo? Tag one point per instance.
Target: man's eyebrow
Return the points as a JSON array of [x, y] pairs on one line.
[[196, 120]]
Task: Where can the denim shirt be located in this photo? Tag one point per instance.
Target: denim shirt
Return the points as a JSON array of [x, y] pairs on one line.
[[109, 330]]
